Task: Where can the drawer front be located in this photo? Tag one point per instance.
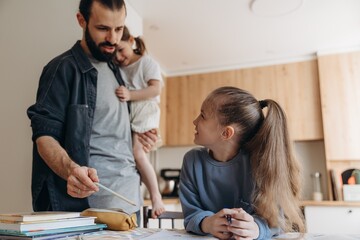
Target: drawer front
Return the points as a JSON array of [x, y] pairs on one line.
[[332, 220]]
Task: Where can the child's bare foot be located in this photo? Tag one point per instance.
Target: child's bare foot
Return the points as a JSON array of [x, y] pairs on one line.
[[157, 208]]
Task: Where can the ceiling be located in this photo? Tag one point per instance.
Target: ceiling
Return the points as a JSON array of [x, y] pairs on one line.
[[194, 36]]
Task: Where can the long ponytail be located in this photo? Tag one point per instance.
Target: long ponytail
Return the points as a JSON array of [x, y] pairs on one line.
[[276, 171], [265, 137]]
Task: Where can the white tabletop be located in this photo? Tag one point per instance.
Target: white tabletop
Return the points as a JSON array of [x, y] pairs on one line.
[[165, 234]]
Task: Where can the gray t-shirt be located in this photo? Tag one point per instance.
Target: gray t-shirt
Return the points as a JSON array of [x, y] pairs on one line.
[[111, 146]]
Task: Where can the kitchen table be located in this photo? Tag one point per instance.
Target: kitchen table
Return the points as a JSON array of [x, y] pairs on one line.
[[180, 234]]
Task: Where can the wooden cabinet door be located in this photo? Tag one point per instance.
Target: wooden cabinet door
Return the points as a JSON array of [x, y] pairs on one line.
[[184, 98], [340, 100], [295, 86], [163, 113]]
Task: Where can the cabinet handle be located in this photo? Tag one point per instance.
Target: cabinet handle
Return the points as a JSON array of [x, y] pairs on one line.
[[350, 211]]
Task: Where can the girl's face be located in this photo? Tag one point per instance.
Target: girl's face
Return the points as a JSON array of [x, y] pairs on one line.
[[207, 127], [125, 54]]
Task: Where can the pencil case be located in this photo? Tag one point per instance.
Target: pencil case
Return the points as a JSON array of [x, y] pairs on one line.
[[115, 219]]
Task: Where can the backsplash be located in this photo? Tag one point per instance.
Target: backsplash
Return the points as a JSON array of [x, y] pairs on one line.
[[311, 155]]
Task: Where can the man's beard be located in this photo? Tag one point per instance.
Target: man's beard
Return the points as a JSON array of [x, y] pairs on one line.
[[95, 49]]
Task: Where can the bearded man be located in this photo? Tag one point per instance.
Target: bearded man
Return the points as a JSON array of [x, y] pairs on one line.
[[81, 131]]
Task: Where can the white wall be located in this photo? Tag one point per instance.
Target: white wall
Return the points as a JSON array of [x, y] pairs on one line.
[[32, 33]]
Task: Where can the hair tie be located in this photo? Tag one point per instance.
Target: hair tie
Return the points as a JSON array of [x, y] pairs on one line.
[[262, 103]]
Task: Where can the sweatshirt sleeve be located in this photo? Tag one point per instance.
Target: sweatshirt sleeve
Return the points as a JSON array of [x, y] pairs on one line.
[[264, 231], [189, 197]]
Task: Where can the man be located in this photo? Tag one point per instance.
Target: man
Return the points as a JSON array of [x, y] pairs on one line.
[[81, 131]]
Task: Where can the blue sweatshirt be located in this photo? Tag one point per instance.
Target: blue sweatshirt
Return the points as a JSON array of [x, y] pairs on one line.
[[207, 186]]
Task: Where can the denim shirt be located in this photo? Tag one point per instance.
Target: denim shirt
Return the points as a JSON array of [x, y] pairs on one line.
[[64, 110]]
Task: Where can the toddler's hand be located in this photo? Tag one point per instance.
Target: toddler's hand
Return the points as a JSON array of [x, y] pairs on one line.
[[123, 94]]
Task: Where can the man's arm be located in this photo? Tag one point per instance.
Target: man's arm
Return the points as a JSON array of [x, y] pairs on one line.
[[80, 180]]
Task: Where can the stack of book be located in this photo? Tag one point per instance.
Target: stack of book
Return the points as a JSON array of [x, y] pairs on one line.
[[45, 225]]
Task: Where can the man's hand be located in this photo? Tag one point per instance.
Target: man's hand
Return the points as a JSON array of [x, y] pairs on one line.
[[80, 180], [148, 139], [80, 183]]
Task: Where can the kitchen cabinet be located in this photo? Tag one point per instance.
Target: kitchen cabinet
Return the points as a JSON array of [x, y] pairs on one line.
[[295, 86], [329, 219], [339, 77], [340, 103], [163, 113]]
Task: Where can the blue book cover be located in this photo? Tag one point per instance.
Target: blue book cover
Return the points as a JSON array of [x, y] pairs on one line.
[[44, 233], [47, 237]]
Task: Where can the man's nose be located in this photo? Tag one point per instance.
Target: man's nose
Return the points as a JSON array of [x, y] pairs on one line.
[[112, 37]]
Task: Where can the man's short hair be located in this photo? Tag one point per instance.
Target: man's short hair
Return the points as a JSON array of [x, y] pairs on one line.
[[85, 6]]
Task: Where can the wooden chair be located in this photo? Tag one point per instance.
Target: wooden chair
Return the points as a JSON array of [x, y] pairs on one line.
[[172, 215]]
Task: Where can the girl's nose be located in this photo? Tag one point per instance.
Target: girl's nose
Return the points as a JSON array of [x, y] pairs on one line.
[[120, 58], [195, 121]]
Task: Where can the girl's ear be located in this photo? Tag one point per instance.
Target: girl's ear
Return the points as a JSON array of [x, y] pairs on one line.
[[132, 41], [228, 133]]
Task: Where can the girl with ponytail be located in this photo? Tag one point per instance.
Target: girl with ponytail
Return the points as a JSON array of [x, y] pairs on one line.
[[244, 183]]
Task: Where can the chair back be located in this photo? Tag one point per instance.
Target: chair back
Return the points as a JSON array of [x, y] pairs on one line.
[[172, 215]]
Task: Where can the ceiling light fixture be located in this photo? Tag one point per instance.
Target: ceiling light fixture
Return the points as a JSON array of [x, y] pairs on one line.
[[275, 8], [153, 27]]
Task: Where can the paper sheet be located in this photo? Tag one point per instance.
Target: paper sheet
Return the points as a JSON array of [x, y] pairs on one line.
[[174, 234]]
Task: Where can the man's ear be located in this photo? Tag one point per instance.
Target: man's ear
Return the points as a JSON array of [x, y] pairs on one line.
[[228, 132], [81, 20]]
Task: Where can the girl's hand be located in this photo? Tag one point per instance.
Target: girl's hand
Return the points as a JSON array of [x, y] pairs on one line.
[[123, 94], [243, 225], [217, 224]]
